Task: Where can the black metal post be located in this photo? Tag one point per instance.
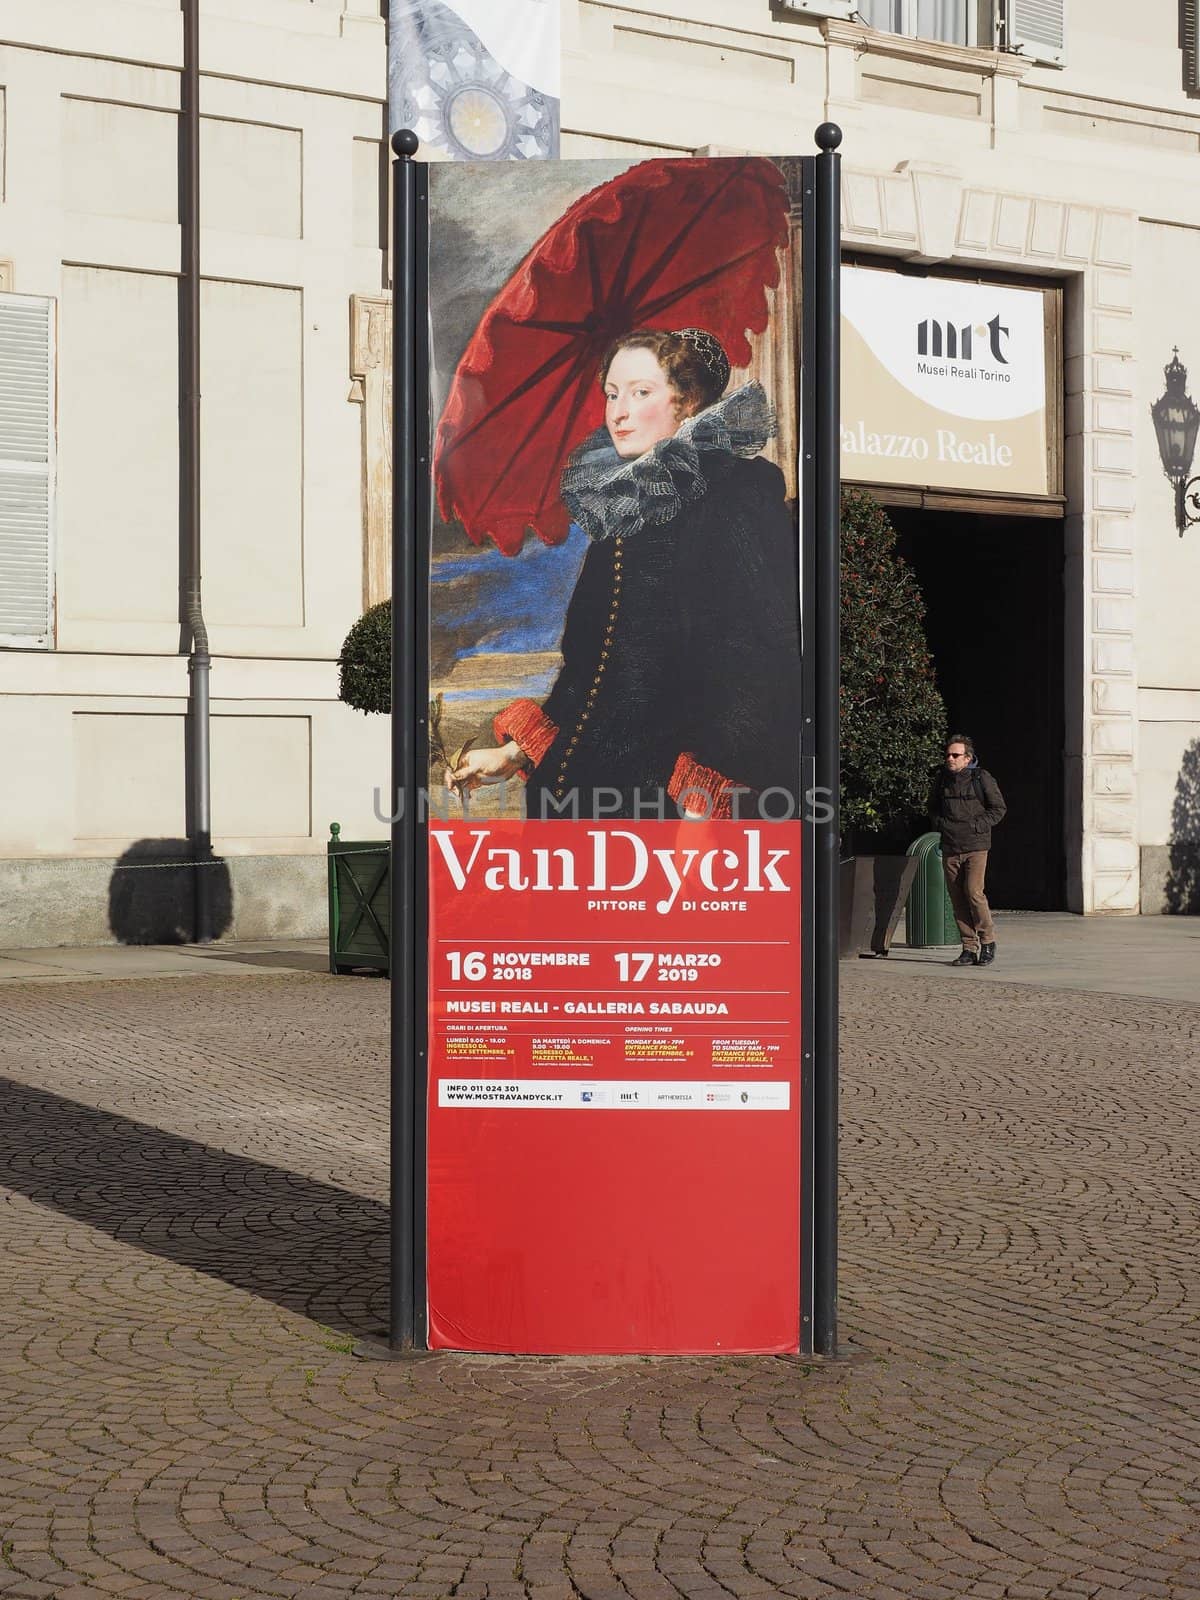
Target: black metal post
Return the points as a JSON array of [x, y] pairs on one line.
[[806, 368], [827, 248], [199, 662], [403, 1325]]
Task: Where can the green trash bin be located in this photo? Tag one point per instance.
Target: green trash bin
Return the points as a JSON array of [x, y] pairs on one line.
[[359, 903], [929, 916]]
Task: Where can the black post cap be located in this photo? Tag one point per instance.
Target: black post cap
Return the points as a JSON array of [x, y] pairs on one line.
[[406, 144], [828, 136]]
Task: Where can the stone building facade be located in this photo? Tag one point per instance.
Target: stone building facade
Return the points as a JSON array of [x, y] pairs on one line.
[[1068, 155], [92, 710]]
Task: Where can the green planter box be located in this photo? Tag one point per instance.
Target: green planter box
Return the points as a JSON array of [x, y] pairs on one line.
[[359, 903]]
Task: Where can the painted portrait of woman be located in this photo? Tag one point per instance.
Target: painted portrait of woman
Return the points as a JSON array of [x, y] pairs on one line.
[[606, 445], [614, 619], [680, 648]]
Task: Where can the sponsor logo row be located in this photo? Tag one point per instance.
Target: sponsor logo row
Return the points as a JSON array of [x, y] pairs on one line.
[[611, 1094]]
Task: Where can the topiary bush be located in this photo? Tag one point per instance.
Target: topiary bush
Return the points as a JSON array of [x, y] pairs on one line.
[[365, 664], [893, 717]]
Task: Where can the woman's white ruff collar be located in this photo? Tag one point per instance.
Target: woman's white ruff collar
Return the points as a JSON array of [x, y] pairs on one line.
[[610, 497]]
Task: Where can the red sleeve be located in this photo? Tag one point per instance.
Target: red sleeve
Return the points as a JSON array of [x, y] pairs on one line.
[[528, 725], [690, 780]]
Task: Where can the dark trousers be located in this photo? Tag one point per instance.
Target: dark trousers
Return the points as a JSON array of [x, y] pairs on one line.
[[964, 879]]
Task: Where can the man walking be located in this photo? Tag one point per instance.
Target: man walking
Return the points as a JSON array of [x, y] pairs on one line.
[[965, 805]]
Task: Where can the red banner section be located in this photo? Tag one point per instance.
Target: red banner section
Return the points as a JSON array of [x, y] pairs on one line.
[[614, 1086]]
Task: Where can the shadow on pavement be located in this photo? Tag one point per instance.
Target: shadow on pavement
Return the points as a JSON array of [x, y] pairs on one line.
[[300, 1243], [902, 955], [289, 960]]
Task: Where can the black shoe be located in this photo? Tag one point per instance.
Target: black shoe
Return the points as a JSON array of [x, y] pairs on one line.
[[967, 959], [987, 954]]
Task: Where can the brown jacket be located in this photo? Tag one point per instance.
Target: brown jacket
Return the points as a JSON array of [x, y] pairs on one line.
[[965, 807]]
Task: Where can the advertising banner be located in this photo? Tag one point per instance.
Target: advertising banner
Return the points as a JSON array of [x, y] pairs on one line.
[[944, 384], [476, 80], [615, 1037]]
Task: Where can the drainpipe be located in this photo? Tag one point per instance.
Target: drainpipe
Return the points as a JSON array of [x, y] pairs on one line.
[[199, 797]]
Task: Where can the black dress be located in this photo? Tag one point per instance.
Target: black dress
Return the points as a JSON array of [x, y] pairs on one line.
[[681, 652]]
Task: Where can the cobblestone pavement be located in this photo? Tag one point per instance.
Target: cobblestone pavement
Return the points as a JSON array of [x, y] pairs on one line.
[[193, 1233]]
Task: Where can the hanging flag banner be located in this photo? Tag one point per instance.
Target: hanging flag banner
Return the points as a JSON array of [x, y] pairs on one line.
[[944, 384], [615, 1032], [476, 80]]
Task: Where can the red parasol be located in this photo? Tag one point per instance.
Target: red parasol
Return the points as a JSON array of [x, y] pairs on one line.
[[668, 244]]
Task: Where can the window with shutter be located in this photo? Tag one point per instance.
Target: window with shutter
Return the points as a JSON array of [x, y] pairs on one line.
[[817, 8], [26, 470], [882, 14], [1188, 24], [951, 21], [1037, 29]]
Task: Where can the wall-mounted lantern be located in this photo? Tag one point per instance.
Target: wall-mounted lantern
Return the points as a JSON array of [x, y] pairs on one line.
[[1176, 423]]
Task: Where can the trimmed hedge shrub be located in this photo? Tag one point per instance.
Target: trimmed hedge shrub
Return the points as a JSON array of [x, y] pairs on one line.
[[893, 716], [365, 664]]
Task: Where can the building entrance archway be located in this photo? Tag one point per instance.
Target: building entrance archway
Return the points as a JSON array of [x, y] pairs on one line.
[[993, 588]]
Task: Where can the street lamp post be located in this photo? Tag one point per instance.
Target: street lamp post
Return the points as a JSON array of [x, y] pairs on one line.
[[1176, 422]]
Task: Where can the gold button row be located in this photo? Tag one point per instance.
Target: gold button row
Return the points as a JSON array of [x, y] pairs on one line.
[[600, 665]]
